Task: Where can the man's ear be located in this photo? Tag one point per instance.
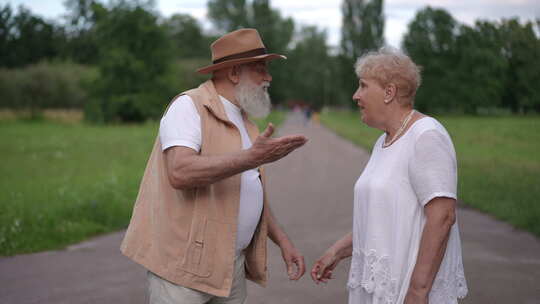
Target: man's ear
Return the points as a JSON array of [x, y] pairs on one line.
[[234, 74]]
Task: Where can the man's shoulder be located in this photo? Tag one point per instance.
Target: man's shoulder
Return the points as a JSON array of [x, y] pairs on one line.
[[190, 96], [197, 95]]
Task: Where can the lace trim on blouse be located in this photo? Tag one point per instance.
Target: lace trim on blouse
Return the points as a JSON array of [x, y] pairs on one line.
[[371, 271], [447, 290]]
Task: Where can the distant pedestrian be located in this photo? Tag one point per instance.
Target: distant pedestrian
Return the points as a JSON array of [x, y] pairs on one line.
[[405, 242], [308, 111]]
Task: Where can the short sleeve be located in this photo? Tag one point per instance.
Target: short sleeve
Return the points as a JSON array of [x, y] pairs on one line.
[[432, 169], [181, 125]]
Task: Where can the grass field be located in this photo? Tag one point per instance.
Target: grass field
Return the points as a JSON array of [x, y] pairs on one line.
[[62, 183], [498, 159]]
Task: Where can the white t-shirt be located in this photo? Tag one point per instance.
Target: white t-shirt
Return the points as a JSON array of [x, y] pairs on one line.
[[181, 126], [388, 216]]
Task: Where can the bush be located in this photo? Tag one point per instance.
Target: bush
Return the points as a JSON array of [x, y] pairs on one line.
[[45, 85], [141, 106], [134, 54]]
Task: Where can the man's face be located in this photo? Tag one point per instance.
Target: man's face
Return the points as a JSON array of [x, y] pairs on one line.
[[252, 89], [258, 72]]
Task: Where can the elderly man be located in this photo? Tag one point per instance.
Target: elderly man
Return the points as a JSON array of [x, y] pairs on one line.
[[201, 218]]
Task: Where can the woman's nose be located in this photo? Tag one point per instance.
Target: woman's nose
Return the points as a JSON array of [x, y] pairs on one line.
[[356, 96]]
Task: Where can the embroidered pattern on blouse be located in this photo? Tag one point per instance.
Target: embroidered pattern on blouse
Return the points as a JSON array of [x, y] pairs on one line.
[[447, 290], [371, 271]]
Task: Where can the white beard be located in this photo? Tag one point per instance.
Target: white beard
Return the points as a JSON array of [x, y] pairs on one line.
[[253, 98]]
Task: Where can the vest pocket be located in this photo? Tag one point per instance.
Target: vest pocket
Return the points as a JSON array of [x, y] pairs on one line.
[[199, 258]]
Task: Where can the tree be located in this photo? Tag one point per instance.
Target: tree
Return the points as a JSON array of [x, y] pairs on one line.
[[276, 31], [82, 45], [522, 50], [362, 31], [133, 57], [481, 68], [431, 43], [26, 38], [187, 37], [466, 69], [6, 35], [229, 15], [363, 27], [309, 76]]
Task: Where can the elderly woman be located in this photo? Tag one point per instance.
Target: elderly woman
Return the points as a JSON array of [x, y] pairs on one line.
[[405, 243]]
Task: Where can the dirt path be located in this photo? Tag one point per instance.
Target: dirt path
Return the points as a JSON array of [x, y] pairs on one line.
[[311, 195]]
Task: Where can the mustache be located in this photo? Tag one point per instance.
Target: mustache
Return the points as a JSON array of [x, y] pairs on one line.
[[265, 85]]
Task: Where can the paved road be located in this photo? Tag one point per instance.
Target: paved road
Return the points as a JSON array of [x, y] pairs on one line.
[[311, 194]]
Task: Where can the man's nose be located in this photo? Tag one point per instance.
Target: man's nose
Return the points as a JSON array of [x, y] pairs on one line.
[[267, 77]]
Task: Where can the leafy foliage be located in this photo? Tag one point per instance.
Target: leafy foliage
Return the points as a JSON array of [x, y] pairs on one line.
[[469, 69], [45, 86], [26, 38], [362, 31], [133, 56], [308, 63], [145, 59], [187, 37]]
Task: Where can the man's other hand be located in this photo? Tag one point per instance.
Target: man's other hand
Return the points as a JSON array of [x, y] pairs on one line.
[[293, 259]]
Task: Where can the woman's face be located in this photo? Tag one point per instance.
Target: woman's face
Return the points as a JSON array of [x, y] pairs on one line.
[[370, 99]]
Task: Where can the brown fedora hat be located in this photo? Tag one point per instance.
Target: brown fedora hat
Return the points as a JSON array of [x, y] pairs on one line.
[[240, 46]]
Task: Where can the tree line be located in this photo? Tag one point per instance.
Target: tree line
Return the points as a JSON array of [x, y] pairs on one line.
[[127, 61]]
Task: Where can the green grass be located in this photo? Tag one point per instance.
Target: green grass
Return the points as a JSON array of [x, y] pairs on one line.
[[62, 183], [275, 117], [498, 159]]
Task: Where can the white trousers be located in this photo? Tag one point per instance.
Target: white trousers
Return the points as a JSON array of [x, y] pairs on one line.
[[161, 291]]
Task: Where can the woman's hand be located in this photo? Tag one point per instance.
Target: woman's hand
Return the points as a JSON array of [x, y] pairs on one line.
[[324, 266]]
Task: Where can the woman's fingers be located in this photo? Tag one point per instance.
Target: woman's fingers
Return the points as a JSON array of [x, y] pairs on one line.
[[320, 272], [316, 271]]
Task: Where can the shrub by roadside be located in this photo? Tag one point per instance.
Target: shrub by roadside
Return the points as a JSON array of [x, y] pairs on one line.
[[29, 90]]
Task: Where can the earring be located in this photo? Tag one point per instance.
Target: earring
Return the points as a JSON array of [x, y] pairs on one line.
[[387, 101]]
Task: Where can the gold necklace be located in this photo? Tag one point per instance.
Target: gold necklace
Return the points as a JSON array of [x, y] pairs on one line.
[[400, 130]]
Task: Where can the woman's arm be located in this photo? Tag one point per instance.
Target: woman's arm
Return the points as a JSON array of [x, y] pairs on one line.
[[440, 216], [323, 267]]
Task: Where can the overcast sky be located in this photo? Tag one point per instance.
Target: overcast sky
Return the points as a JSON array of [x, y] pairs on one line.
[[327, 13]]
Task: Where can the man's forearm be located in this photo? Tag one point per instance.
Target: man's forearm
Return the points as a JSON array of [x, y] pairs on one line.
[[197, 171], [187, 169], [275, 232]]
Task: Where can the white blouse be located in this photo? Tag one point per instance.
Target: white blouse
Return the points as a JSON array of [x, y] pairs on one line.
[[389, 200]]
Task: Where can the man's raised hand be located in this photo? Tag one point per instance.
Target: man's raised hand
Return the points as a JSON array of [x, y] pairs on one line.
[[266, 149]]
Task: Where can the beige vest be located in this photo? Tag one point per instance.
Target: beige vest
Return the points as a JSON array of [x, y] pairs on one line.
[[188, 237]]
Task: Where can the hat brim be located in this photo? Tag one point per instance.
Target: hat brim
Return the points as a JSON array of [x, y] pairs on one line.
[[232, 62]]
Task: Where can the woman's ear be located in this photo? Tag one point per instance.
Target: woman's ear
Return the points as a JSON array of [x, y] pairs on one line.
[[390, 92]]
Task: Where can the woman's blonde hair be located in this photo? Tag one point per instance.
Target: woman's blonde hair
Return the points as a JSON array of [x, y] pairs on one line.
[[389, 65]]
